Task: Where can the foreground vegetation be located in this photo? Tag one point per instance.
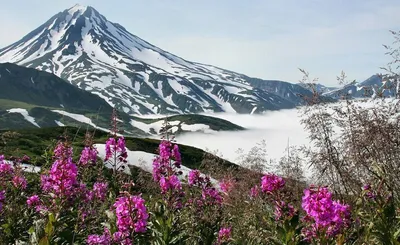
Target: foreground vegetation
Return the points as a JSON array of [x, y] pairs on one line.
[[75, 199]]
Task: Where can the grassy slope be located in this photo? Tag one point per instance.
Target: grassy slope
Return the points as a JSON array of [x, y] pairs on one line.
[[34, 143], [9, 104], [46, 118]]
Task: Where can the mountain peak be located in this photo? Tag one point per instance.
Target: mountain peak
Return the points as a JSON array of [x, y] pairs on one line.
[[81, 46], [77, 8]]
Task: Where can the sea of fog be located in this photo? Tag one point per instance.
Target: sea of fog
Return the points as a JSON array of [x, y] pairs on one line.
[[277, 128]]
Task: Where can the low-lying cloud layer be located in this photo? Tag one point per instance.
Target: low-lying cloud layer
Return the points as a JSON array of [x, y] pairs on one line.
[[277, 128]]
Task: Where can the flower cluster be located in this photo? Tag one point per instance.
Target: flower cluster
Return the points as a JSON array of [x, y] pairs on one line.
[[283, 210], [166, 169], [100, 190], [131, 215], [117, 149], [162, 164], [8, 174], [88, 156], [226, 185], [19, 182], [170, 183], [254, 191], [132, 218], [62, 179], [209, 194], [195, 178], [104, 239], [33, 201], [329, 216], [271, 183], [6, 170], [224, 235]]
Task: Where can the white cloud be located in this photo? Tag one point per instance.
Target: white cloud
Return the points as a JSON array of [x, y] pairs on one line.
[[276, 127]]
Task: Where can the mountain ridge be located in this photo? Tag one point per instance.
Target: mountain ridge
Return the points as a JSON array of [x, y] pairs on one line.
[[80, 45]]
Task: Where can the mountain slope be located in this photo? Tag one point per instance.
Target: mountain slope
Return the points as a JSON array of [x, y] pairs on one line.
[[374, 86], [82, 46], [33, 99], [45, 89]]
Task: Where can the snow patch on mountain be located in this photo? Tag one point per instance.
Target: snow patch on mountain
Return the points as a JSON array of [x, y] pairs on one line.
[[196, 128], [59, 123], [25, 114], [140, 159], [152, 127], [80, 118]]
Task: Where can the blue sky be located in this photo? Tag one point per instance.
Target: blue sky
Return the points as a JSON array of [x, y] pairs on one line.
[[262, 38]]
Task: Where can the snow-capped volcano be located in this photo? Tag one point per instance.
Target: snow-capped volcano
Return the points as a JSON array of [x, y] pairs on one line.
[[80, 45]]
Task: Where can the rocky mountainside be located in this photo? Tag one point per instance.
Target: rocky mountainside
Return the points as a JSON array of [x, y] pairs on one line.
[[36, 99], [81, 46], [374, 86]]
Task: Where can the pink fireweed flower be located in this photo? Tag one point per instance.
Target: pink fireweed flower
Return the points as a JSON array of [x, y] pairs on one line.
[[62, 151], [88, 156], [62, 178], [170, 183], [224, 235], [121, 238], [162, 164], [327, 214], [109, 149], [33, 201], [194, 177], [5, 169], [271, 183], [254, 191], [166, 173], [121, 145], [25, 158], [104, 239], [283, 210], [19, 182], [131, 214], [165, 149], [100, 190], [116, 151], [211, 196], [116, 147], [177, 156], [369, 192], [226, 185]]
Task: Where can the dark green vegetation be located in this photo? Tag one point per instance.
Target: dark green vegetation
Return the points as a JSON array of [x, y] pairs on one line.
[[35, 142], [34, 87]]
